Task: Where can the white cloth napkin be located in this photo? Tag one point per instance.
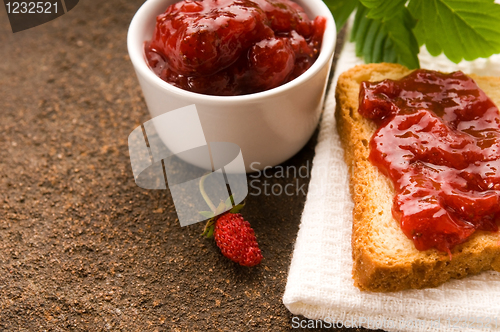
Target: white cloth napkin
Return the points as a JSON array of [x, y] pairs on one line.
[[319, 284]]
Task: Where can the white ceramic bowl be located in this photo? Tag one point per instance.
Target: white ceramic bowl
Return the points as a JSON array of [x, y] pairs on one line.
[[269, 126]]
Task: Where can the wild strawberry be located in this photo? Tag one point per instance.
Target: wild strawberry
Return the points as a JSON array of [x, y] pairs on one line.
[[233, 235], [236, 239]]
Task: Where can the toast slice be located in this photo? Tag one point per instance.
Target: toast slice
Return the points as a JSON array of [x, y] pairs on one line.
[[384, 258]]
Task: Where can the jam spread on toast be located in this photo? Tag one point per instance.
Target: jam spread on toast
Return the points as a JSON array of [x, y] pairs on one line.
[[438, 140], [233, 47]]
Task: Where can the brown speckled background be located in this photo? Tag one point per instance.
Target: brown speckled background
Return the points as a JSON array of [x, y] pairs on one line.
[[82, 248]]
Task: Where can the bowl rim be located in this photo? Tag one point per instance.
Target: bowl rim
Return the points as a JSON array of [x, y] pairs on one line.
[[138, 59]]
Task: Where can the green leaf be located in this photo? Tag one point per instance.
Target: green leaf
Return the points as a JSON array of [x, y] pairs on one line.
[[207, 214], [229, 201], [386, 40], [237, 208], [209, 232], [383, 9], [357, 19], [220, 209], [462, 29], [368, 47], [341, 10], [359, 34]]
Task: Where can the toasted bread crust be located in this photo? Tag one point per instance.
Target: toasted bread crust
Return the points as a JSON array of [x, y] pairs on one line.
[[384, 258]]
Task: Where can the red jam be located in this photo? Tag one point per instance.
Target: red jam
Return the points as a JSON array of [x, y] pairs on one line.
[[439, 142], [233, 47]]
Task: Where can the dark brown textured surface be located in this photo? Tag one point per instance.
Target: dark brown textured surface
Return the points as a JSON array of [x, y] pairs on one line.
[[82, 248]]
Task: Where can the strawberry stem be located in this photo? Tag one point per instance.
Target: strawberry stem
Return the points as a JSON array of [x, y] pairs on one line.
[[204, 194]]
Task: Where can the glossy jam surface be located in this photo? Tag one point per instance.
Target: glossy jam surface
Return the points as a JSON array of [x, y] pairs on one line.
[[233, 47], [438, 140]]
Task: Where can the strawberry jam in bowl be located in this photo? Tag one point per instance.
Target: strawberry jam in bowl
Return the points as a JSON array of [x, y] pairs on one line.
[[233, 47], [438, 140], [256, 70]]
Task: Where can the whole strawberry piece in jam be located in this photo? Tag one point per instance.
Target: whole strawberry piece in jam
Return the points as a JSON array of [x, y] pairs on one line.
[[236, 239], [271, 61], [233, 235]]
